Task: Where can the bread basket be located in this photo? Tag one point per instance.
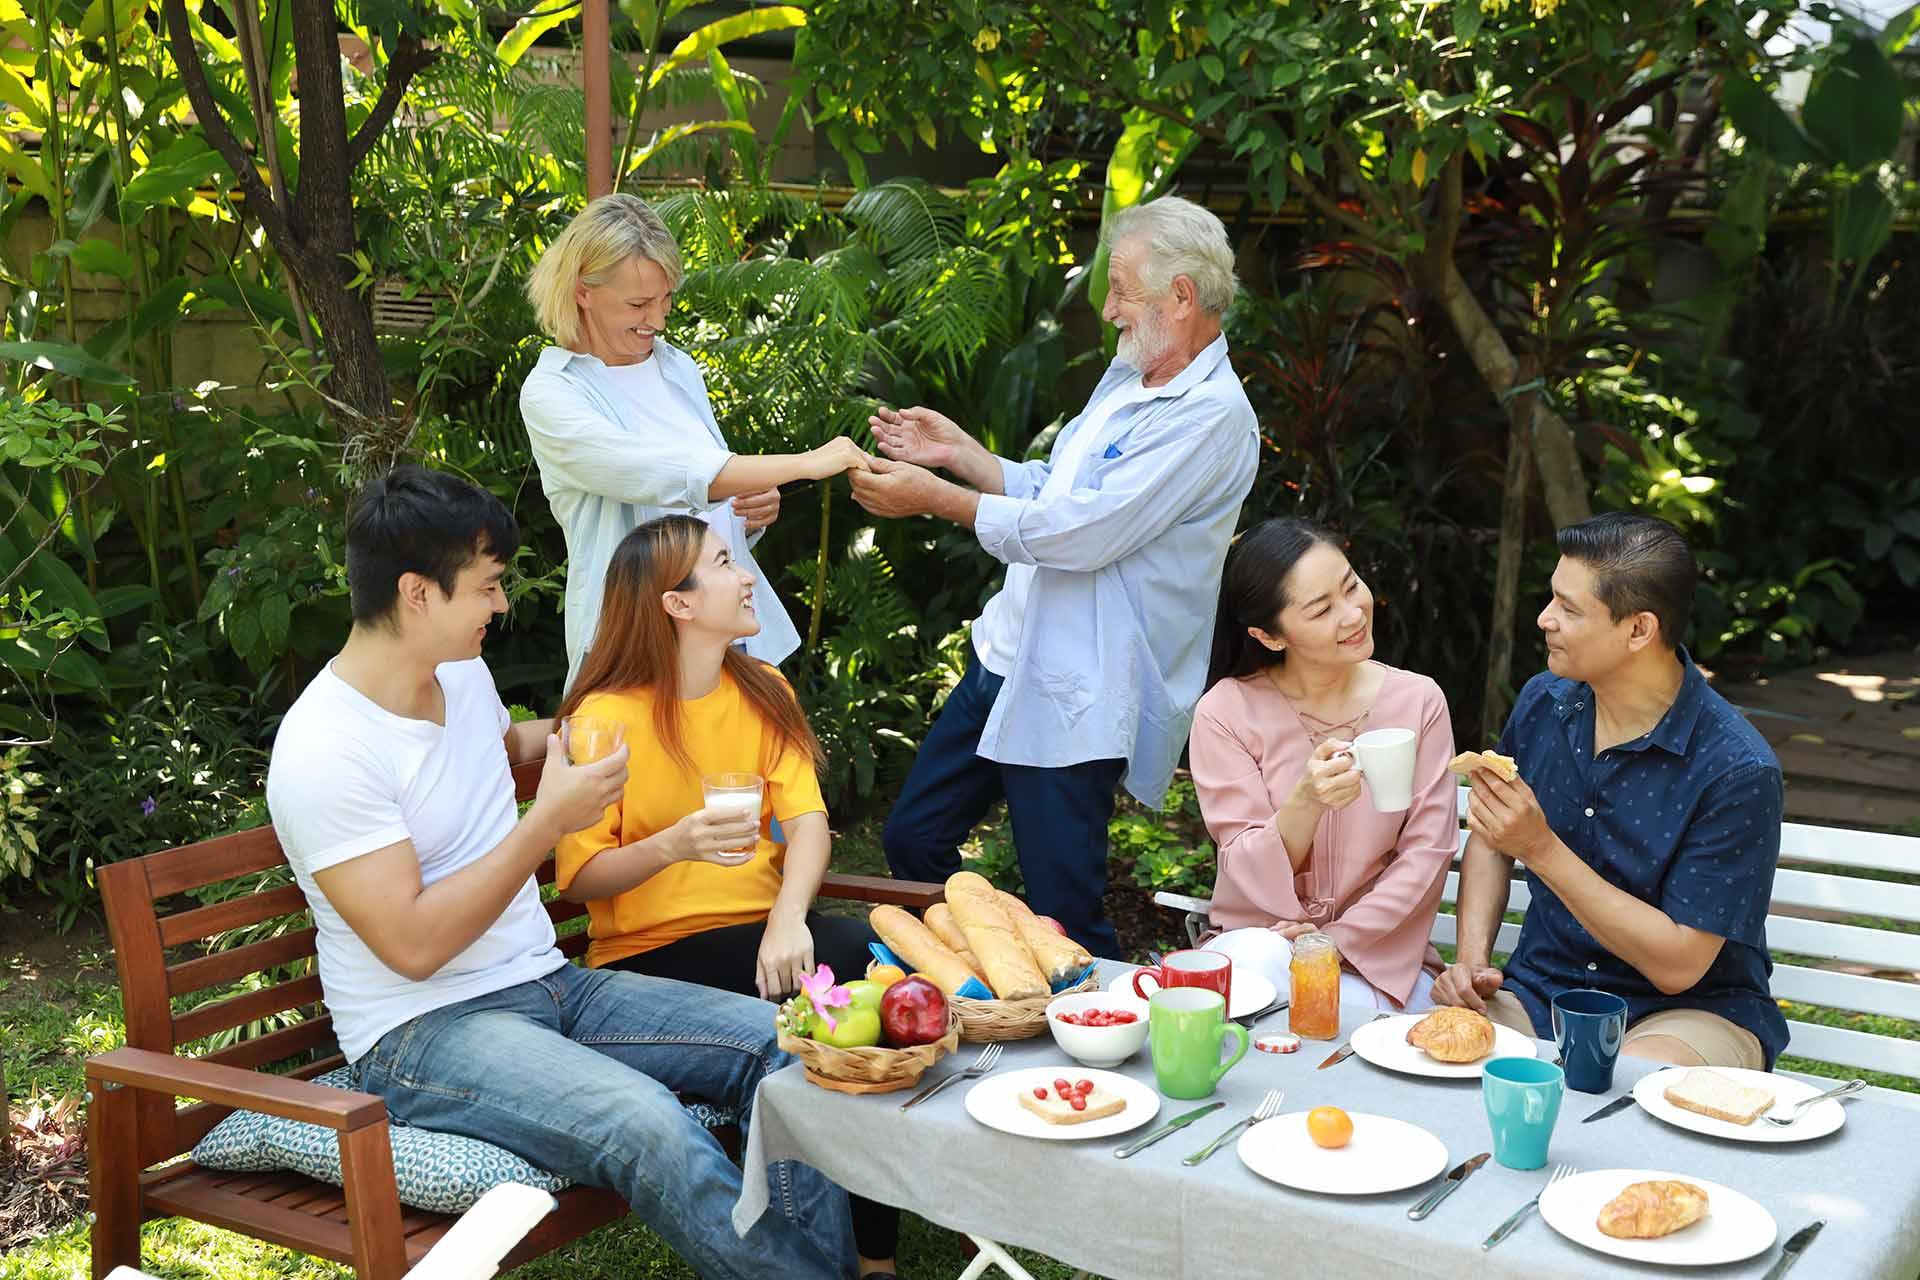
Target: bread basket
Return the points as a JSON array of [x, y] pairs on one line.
[[870, 1068], [984, 1021]]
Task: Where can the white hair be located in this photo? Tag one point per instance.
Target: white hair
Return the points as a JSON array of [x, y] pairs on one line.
[[602, 236], [1181, 239]]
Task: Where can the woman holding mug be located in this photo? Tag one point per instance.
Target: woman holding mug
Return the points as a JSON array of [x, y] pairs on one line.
[[677, 886], [619, 419], [1291, 684]]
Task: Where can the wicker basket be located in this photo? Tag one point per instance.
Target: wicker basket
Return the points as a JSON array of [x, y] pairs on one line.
[[984, 1021], [871, 1068]]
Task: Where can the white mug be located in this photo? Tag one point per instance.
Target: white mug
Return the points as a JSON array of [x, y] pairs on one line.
[[1385, 757]]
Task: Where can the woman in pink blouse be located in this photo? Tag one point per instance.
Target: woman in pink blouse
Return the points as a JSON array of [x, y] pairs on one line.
[[1292, 682]]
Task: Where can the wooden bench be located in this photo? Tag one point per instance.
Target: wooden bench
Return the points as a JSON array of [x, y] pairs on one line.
[[1822, 957], [135, 1131]]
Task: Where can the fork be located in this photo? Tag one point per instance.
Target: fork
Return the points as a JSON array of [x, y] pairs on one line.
[[1799, 1109], [1269, 1108], [1505, 1229], [989, 1058]]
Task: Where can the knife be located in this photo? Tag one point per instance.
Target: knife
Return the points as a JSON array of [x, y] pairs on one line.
[[1345, 1051], [1177, 1123], [1796, 1245], [1460, 1173], [1612, 1108]]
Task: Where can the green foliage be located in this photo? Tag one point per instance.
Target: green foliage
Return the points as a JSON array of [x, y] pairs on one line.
[[1168, 851]]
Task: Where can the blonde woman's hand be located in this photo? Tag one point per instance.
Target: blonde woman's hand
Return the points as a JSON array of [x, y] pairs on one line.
[[758, 509], [924, 437], [835, 456], [1330, 781]]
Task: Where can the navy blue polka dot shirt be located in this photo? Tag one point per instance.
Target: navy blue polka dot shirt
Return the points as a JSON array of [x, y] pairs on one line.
[[1685, 817]]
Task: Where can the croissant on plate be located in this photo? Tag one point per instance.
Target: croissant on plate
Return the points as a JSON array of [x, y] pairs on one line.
[[1645, 1210], [1453, 1035]]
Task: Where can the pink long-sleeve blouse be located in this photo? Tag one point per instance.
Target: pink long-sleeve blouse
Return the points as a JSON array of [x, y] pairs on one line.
[[1373, 880]]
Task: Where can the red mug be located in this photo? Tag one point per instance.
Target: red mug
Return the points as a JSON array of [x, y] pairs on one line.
[[1211, 970]]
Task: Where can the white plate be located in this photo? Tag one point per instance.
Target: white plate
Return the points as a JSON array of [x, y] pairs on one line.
[[1384, 1044], [1251, 992], [995, 1102], [1384, 1155], [1735, 1226], [1819, 1120]]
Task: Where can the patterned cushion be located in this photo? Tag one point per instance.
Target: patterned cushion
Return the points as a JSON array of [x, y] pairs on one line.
[[443, 1172]]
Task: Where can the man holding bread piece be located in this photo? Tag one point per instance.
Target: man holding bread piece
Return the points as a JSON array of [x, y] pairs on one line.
[[1086, 665], [1646, 812]]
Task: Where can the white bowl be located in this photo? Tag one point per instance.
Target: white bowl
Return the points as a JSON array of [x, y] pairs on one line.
[[1098, 1046]]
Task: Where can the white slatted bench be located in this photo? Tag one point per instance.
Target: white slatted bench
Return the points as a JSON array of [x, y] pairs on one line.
[[1810, 883]]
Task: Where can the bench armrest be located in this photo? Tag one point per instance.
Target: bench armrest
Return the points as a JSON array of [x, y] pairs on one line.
[[341, 1110], [1181, 902], [918, 894]]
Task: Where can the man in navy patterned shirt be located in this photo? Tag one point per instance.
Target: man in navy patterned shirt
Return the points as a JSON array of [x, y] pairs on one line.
[[1646, 815]]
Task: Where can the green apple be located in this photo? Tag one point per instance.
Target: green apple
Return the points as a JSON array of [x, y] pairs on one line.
[[865, 994], [854, 1027]]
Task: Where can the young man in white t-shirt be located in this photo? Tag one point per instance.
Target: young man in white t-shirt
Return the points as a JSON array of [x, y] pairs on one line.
[[391, 792]]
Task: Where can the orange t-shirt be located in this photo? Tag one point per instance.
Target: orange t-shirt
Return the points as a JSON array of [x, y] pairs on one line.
[[724, 734]]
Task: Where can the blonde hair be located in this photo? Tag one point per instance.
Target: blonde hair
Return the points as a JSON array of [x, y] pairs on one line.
[[1182, 239], [602, 236]]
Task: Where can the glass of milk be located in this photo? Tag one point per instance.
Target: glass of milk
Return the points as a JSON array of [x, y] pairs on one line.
[[740, 793]]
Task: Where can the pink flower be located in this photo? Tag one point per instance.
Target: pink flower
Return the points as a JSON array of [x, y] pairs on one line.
[[823, 995]]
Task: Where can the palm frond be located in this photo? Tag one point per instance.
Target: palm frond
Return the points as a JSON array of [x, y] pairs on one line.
[[907, 218]]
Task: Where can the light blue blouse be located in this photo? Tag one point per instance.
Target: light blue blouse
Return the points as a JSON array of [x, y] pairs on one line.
[[1116, 628]]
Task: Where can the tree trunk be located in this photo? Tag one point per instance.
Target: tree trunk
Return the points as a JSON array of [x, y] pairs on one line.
[[1496, 694], [1563, 481]]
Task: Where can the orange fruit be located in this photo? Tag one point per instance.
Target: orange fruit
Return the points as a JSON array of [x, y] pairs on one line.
[[885, 974], [1329, 1127]]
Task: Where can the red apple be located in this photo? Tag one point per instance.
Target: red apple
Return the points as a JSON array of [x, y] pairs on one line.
[[1057, 926], [913, 1011]]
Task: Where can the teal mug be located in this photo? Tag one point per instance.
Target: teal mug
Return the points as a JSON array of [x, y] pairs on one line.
[[1185, 1026], [1522, 1097]]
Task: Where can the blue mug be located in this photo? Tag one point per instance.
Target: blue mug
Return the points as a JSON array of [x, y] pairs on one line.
[[1589, 1026], [1522, 1097]]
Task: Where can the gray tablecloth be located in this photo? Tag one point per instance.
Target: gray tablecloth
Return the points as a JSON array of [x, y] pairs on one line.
[[1151, 1217]]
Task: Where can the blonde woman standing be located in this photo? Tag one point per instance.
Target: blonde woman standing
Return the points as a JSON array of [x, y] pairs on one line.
[[620, 423]]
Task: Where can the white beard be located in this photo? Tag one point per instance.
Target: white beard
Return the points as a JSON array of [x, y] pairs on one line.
[[1145, 343]]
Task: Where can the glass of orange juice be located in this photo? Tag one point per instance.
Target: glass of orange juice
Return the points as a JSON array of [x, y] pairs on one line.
[[587, 739], [1315, 1010]]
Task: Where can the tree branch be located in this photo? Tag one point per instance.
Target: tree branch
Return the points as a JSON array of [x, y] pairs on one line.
[[409, 58], [193, 77]]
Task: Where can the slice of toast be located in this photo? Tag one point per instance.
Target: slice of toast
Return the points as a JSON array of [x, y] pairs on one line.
[[1057, 1110], [1467, 761], [1711, 1094]]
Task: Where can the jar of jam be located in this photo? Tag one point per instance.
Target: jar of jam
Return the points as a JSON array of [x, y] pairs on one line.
[[1315, 1011]]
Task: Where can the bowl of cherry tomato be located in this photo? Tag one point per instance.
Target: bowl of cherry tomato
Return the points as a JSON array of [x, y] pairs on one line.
[[1098, 1028]]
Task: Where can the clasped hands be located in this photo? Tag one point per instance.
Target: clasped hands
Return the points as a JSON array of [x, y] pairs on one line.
[[913, 440]]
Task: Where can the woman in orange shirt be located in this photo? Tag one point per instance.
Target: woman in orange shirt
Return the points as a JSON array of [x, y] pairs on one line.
[[665, 895]]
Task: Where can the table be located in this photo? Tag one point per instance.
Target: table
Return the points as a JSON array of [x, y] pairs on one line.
[[1152, 1218]]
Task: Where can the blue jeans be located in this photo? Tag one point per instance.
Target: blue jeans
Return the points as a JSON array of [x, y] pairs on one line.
[[1059, 814], [577, 1073]]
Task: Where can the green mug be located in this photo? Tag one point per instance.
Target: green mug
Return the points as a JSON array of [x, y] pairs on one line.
[[1184, 1026]]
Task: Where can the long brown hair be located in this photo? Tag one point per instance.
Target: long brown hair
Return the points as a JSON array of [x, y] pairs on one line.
[[635, 645]]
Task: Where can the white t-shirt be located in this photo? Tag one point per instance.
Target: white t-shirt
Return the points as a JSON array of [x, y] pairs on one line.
[[349, 777], [996, 632]]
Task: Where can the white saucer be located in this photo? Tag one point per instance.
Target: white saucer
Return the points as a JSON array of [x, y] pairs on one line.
[[1384, 1155], [1817, 1121], [1251, 992], [1735, 1227], [1384, 1044], [995, 1102]]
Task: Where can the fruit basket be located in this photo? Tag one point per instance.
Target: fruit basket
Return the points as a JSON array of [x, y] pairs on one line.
[[985, 1021], [870, 1068]]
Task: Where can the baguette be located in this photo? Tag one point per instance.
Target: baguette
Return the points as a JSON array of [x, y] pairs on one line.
[[1011, 970], [940, 919], [915, 943], [1057, 955], [1709, 1093]]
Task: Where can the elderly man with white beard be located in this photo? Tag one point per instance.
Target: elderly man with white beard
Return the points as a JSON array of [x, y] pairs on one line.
[[1087, 663]]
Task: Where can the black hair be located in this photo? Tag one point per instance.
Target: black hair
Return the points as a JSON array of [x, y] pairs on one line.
[[1640, 564], [413, 520], [1253, 591]]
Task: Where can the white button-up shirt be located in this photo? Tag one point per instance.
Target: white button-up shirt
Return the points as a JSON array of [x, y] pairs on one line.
[[1114, 633], [609, 463]]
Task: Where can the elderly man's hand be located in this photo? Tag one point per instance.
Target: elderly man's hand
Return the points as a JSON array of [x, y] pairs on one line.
[[758, 509], [1508, 816], [918, 435], [892, 490]]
